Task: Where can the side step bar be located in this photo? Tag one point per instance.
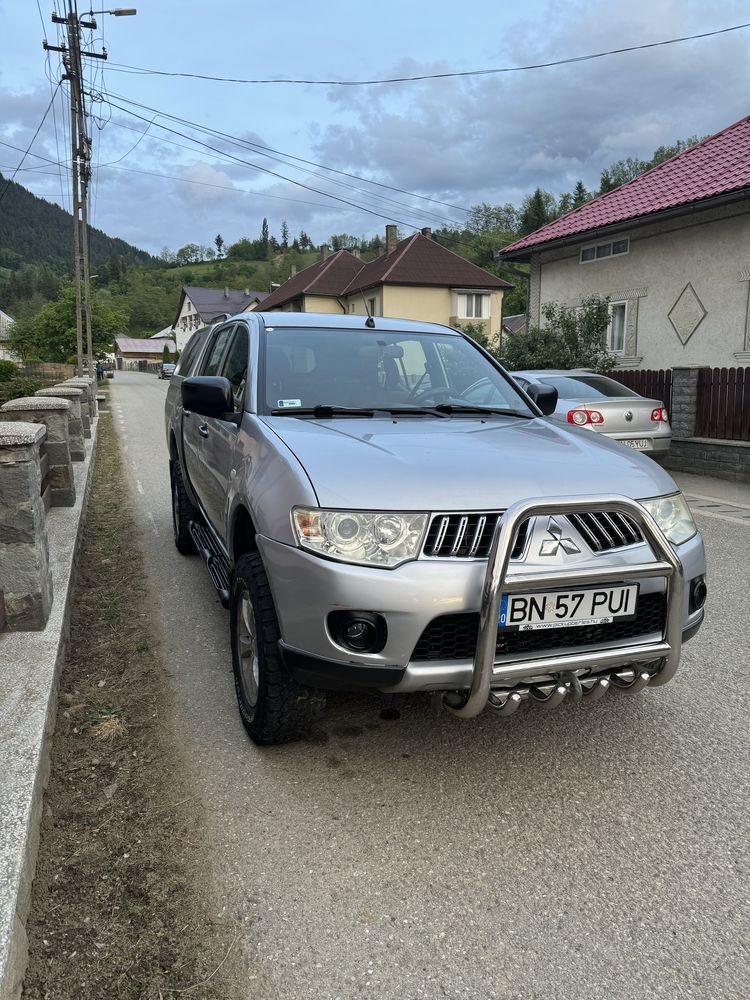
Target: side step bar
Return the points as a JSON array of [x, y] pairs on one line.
[[214, 558]]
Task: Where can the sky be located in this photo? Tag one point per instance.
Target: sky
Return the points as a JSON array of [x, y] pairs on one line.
[[458, 142]]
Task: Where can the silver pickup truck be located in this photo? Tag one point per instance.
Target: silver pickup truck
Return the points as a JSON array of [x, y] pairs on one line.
[[369, 527]]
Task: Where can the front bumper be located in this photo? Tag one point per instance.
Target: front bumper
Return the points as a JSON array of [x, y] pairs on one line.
[[306, 588]]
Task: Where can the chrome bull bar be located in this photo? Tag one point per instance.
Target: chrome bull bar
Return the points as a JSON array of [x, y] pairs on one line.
[[497, 582]]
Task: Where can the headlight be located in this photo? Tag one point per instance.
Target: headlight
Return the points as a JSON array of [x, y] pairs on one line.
[[673, 516], [372, 539]]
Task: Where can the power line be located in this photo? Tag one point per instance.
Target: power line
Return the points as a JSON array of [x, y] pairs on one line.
[[141, 70], [290, 156], [28, 148], [407, 208], [272, 173]]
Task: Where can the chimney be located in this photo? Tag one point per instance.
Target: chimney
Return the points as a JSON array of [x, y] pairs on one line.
[[356, 252], [293, 270], [226, 291], [323, 251], [427, 232], [391, 238], [247, 292]]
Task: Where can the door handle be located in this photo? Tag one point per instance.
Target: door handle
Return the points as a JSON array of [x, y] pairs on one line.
[[203, 431]]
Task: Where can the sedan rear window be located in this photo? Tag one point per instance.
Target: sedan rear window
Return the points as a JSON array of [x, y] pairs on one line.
[[590, 386]]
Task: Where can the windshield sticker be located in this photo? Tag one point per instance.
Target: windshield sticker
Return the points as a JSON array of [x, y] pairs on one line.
[[282, 403]]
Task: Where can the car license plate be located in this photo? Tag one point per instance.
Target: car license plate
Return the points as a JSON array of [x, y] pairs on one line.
[[567, 608], [640, 444]]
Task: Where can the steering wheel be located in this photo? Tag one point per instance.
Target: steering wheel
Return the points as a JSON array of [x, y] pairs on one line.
[[438, 395]]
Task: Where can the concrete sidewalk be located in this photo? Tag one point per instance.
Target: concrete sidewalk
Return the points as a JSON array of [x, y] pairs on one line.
[[29, 671], [708, 487]]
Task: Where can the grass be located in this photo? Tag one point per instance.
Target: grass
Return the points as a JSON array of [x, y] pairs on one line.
[[122, 902]]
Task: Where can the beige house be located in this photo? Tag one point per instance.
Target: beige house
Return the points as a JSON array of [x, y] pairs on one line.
[[671, 250], [416, 278]]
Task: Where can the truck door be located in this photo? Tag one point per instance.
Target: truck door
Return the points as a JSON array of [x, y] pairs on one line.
[[220, 443], [194, 426]]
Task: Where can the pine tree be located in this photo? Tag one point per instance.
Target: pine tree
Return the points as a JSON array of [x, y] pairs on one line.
[[219, 244], [580, 195], [264, 234], [284, 235]]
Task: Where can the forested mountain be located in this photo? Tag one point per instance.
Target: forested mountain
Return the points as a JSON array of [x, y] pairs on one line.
[[33, 230]]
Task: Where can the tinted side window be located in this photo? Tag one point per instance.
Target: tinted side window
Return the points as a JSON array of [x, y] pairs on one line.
[[190, 354], [235, 363], [215, 351]]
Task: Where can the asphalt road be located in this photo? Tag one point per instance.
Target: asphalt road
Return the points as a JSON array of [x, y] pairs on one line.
[[593, 852]]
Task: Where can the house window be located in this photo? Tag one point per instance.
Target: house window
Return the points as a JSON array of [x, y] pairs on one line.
[[603, 250], [473, 305], [616, 329]]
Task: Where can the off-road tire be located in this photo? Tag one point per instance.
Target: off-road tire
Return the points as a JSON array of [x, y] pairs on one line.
[[183, 512], [284, 710]]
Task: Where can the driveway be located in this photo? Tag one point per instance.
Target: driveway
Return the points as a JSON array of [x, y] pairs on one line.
[[592, 852]]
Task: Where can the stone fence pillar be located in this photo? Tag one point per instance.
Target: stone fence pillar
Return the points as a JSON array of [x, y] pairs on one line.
[[684, 400], [76, 427], [25, 579], [90, 386], [53, 413]]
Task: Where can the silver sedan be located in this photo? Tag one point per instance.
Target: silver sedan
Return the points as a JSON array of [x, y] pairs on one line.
[[597, 403]]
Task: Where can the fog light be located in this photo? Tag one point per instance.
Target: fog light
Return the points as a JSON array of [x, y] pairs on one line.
[[360, 631], [698, 593]]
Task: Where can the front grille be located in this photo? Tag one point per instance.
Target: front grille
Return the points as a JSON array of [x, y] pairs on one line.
[[467, 536], [606, 529], [454, 637]]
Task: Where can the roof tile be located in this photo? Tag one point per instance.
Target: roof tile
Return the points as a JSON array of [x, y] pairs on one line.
[[715, 166]]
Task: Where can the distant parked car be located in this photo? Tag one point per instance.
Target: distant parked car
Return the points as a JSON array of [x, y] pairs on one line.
[[166, 370], [110, 373], [598, 403]]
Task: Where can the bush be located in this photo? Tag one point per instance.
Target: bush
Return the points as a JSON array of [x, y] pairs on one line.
[[8, 370], [16, 387], [570, 338]]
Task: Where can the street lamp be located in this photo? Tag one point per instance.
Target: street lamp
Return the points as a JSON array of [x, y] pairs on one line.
[[117, 11]]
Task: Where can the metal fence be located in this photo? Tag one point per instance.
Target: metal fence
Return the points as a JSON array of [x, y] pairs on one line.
[[652, 383], [723, 404]]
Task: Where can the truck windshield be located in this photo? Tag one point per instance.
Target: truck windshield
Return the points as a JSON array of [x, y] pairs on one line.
[[381, 370]]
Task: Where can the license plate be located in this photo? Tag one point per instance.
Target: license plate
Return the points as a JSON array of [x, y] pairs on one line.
[[640, 444], [567, 608]]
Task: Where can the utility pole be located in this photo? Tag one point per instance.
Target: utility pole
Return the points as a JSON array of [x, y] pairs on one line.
[[80, 165]]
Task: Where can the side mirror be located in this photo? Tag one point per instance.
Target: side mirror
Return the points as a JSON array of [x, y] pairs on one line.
[[545, 397], [208, 395]]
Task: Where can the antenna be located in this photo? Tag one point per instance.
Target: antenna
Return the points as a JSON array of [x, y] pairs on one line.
[[369, 322]]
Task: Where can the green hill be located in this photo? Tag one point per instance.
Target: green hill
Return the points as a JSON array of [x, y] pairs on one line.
[[34, 231]]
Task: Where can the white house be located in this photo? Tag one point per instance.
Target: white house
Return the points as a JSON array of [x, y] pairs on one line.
[[671, 250], [6, 322], [201, 306]]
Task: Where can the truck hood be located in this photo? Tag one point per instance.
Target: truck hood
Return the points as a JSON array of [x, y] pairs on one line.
[[460, 463]]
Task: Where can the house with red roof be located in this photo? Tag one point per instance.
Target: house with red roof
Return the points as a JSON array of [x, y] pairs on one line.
[[671, 250], [416, 278]]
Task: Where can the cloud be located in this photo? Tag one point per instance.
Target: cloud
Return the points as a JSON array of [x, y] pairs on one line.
[[497, 137]]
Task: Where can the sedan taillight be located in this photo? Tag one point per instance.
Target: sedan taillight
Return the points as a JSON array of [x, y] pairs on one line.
[[660, 415], [581, 417]]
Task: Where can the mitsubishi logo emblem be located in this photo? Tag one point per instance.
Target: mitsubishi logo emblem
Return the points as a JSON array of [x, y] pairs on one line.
[[551, 545]]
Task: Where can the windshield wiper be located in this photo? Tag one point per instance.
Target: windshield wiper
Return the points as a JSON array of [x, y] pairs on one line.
[[450, 408], [325, 410]]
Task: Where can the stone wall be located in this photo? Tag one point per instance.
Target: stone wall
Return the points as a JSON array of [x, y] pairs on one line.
[[47, 371], [709, 457]]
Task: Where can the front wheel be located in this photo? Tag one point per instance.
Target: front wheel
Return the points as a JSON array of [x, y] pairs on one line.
[[273, 706], [182, 512]]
